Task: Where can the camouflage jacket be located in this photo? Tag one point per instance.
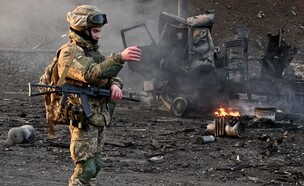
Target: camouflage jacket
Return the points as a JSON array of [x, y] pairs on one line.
[[90, 67]]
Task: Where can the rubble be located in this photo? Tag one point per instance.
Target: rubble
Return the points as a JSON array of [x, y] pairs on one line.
[[22, 134]]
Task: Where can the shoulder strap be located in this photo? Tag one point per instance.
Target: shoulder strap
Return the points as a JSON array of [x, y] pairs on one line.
[[61, 80]]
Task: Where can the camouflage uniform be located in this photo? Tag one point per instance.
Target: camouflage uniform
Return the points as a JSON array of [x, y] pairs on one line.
[[88, 67]]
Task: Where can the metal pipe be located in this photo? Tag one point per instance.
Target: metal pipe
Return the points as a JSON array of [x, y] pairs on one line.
[[182, 9], [237, 130], [205, 139], [222, 128]]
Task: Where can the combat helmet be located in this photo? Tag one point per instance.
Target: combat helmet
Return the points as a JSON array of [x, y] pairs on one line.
[[85, 17]]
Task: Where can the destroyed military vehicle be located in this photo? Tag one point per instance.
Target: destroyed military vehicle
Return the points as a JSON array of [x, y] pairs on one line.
[[182, 69], [186, 72]]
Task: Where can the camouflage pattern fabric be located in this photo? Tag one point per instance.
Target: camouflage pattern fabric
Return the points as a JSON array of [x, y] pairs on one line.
[[84, 69], [78, 18], [86, 143], [89, 67], [86, 146]]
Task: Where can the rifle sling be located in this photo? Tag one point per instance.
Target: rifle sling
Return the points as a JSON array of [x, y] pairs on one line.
[[61, 80]]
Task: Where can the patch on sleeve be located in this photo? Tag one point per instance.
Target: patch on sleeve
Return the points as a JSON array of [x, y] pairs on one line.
[[78, 56]]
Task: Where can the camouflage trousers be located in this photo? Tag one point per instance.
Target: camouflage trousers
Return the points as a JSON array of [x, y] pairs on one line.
[[85, 148]]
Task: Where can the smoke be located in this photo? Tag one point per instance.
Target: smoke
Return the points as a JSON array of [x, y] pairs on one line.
[[42, 23], [26, 24], [124, 14]]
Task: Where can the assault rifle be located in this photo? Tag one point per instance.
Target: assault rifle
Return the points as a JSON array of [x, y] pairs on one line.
[[83, 92]]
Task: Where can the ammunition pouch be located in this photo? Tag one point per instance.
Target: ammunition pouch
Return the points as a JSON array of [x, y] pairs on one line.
[[77, 117], [56, 113], [61, 114]]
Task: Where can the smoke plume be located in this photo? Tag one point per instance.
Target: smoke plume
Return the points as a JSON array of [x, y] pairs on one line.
[[41, 24]]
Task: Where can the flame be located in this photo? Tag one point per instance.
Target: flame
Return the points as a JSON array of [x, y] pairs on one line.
[[222, 112]]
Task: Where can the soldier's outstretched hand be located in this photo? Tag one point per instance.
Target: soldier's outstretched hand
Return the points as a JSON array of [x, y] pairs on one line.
[[132, 53]]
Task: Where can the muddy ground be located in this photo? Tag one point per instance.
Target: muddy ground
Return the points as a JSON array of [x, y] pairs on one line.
[[146, 146]]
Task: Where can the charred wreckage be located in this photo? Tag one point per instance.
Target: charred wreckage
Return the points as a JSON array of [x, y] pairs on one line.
[[186, 72]]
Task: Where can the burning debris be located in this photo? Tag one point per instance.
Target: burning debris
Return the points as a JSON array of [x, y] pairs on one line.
[[226, 123]]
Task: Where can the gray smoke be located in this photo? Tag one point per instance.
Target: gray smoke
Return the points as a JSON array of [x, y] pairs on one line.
[[41, 24], [26, 24]]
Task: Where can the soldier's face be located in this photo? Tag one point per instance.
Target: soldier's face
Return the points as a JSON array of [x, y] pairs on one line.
[[96, 33]]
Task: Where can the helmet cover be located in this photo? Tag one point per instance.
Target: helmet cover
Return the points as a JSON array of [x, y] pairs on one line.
[[86, 16]]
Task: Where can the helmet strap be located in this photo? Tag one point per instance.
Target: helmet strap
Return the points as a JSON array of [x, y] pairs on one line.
[[90, 33]]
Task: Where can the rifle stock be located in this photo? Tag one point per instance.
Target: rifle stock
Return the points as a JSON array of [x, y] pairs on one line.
[[32, 94]]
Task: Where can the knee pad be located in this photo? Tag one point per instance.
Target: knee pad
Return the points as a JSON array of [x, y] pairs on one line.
[[87, 170], [98, 163]]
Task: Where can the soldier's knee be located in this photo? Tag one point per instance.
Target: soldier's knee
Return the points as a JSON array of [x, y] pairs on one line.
[[88, 170]]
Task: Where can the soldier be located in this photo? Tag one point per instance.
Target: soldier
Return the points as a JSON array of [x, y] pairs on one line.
[[89, 67]]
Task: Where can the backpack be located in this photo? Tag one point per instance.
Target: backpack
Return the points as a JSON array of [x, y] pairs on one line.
[[54, 111]]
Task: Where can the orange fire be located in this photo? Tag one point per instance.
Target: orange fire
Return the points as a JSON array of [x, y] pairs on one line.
[[222, 112]]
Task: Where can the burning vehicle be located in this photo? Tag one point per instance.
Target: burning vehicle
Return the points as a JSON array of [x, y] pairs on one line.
[[186, 72]]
